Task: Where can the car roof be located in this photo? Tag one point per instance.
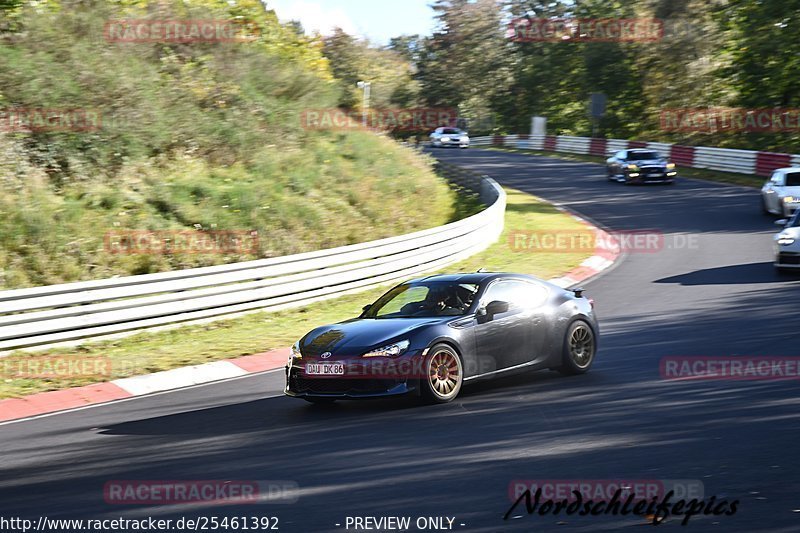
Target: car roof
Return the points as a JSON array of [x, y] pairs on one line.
[[473, 277], [787, 169], [641, 150]]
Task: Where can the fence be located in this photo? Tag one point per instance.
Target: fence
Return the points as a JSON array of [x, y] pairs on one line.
[[723, 159]]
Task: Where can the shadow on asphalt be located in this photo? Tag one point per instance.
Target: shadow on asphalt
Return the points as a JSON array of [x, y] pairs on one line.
[[301, 415], [732, 275]]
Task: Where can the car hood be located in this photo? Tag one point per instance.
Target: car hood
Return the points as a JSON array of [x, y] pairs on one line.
[[794, 190], [358, 335]]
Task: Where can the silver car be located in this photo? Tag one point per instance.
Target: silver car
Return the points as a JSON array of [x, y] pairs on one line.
[[443, 137], [787, 243], [781, 194]]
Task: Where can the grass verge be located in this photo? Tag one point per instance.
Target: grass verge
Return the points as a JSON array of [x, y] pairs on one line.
[[745, 180], [262, 331]]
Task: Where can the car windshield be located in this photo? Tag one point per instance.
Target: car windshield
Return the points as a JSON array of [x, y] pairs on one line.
[[793, 179], [424, 299], [642, 156], [451, 131]]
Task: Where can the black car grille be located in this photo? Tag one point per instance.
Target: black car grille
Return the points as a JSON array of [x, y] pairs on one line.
[[789, 258], [652, 170], [328, 385]]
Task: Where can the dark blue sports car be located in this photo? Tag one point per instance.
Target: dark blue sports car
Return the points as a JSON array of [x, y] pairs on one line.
[[428, 336]]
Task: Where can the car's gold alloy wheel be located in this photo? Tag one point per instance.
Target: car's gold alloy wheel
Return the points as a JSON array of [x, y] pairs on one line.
[[444, 373], [581, 345]]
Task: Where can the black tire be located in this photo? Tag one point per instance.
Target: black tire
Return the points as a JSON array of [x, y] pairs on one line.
[[442, 364], [320, 401], [579, 340]]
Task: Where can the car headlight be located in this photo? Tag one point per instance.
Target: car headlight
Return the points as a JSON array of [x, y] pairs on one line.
[[790, 200], [446, 139], [465, 138], [785, 240], [296, 351], [670, 165], [391, 350], [635, 168]]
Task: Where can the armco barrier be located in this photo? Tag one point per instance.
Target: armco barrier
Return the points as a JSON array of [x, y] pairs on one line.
[[768, 161], [68, 312], [723, 159]]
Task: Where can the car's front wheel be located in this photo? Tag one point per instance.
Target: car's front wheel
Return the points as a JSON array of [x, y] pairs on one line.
[[445, 375], [579, 349]]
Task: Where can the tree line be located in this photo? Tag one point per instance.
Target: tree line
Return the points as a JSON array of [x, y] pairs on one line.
[[708, 55]]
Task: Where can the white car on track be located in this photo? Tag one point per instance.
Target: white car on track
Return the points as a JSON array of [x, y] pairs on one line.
[[781, 194], [442, 137], [787, 243]]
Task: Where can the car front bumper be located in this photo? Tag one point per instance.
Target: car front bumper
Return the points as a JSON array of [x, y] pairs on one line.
[[361, 379], [789, 209], [787, 259], [453, 143], [666, 176]]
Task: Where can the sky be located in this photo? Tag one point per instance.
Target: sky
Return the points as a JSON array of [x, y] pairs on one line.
[[378, 20]]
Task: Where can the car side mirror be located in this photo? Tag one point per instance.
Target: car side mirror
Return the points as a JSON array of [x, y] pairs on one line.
[[366, 308], [781, 222], [496, 307]]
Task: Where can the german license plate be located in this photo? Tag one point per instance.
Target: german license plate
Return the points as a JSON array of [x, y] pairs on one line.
[[325, 369]]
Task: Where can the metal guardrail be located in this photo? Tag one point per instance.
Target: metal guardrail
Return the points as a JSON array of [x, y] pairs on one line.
[[722, 159], [69, 312]]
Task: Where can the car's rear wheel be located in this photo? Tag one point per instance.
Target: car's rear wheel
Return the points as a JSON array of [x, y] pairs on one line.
[[579, 349], [445, 375], [320, 401]]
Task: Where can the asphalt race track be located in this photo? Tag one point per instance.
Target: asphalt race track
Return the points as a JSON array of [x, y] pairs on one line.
[[714, 294]]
